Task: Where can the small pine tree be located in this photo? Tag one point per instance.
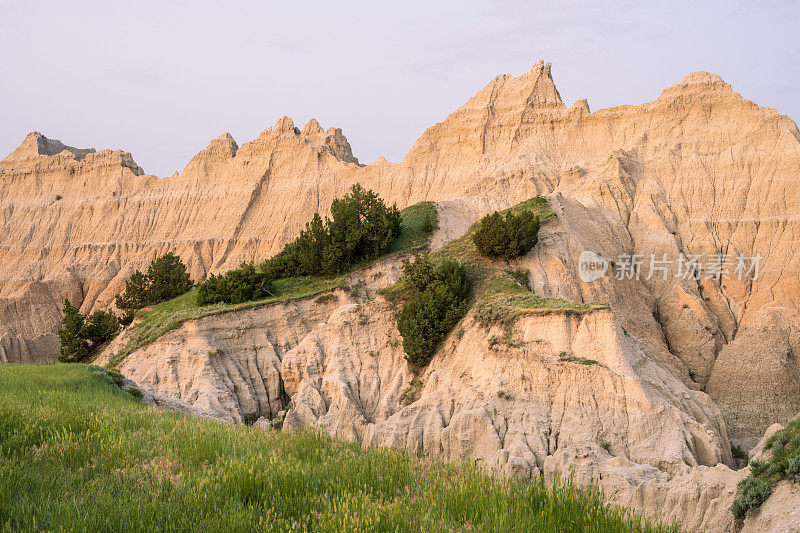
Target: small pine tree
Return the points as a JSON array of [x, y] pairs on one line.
[[507, 237], [210, 291], [74, 346], [310, 245], [100, 327], [235, 286], [166, 278], [360, 227], [437, 302], [245, 284], [134, 296], [419, 274]]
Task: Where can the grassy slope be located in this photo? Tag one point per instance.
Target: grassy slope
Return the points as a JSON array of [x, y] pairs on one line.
[[419, 220], [785, 447], [783, 463], [77, 453], [498, 295]]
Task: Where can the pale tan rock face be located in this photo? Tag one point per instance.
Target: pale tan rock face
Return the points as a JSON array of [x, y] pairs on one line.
[[229, 366], [698, 170]]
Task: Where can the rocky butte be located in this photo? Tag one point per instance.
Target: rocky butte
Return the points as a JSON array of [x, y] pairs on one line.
[[687, 367]]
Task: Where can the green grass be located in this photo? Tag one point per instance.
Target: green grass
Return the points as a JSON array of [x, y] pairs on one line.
[[79, 454], [501, 294], [167, 316], [563, 357], [419, 221], [784, 463], [506, 307]]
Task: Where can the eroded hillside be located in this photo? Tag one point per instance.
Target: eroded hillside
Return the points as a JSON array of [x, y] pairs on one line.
[[533, 385], [687, 365]]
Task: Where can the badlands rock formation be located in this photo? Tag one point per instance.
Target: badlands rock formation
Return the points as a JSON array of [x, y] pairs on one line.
[[627, 423], [688, 366]]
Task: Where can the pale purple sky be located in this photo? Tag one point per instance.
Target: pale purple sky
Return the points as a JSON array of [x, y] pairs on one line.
[[160, 79]]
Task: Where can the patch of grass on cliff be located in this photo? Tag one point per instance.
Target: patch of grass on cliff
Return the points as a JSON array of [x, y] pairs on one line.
[[79, 454], [563, 357], [167, 316], [500, 294], [784, 463], [504, 308], [419, 221]]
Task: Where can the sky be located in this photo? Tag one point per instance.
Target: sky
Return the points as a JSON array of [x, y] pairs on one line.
[[161, 79]]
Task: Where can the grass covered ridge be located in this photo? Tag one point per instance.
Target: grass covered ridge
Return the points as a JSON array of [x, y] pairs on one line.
[[419, 221], [77, 453], [167, 316], [500, 295]]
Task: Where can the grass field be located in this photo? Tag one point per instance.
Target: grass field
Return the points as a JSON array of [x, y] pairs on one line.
[[419, 220], [77, 453]]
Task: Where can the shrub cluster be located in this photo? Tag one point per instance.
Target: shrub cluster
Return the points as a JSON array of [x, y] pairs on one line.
[[165, 279], [507, 237], [754, 492], [79, 334], [361, 227], [437, 301], [783, 463], [235, 286]]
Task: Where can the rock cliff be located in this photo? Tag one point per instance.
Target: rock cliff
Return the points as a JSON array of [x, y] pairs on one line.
[[699, 170]]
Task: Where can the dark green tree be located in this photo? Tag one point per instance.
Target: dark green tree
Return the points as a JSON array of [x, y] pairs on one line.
[[437, 301], [235, 286], [284, 264], [361, 227], [211, 290], [508, 237], [100, 327], [133, 297], [166, 278], [310, 246], [74, 346]]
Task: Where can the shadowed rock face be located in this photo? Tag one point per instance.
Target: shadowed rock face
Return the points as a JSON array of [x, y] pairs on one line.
[[699, 170]]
